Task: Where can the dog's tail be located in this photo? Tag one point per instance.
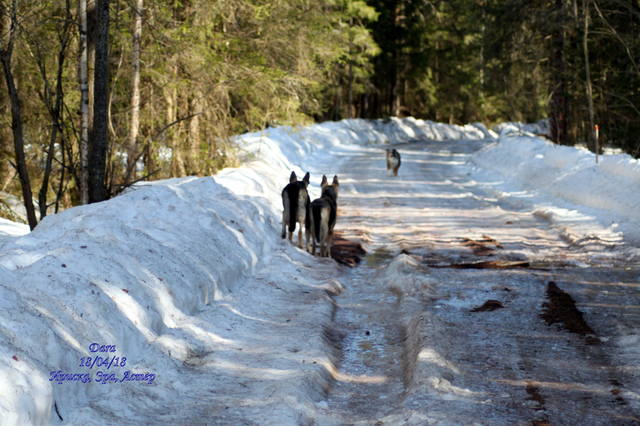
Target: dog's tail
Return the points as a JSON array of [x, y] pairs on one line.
[[292, 194], [316, 210], [307, 217], [333, 214]]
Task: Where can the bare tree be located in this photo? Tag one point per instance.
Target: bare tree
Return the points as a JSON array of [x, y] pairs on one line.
[[194, 134], [7, 171], [8, 15], [587, 70], [559, 102], [132, 145], [99, 138], [53, 105], [84, 104]]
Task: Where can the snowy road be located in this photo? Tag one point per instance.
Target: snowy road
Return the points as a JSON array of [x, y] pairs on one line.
[[479, 301], [411, 348]]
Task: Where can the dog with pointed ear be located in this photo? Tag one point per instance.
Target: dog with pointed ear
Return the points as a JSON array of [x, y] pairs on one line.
[[324, 212], [393, 161], [295, 203]]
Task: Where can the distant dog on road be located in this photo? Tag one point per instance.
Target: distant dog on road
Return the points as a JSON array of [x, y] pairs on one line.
[[324, 211], [296, 202], [393, 161]]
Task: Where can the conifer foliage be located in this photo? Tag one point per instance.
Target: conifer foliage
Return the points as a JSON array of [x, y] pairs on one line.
[[99, 94]]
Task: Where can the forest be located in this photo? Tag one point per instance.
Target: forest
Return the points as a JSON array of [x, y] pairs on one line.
[[101, 94]]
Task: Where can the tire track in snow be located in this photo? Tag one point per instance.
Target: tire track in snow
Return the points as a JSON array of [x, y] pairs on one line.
[[428, 358], [370, 338]]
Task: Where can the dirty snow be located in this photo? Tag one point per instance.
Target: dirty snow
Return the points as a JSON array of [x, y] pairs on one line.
[[222, 322]]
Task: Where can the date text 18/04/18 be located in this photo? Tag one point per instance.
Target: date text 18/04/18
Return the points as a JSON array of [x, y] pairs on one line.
[[108, 362]]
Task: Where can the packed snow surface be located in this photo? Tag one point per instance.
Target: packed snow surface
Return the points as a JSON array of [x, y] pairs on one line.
[[146, 307], [605, 190]]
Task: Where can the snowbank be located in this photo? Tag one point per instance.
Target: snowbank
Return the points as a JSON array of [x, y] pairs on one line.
[[12, 208], [542, 127], [12, 229], [165, 276], [189, 280], [608, 189], [411, 129]]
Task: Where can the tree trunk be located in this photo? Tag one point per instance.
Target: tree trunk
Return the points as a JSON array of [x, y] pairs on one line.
[[393, 86], [350, 91], [132, 145], [6, 150], [9, 28], [350, 76], [559, 110], [84, 104], [18, 141], [171, 97], [194, 134], [99, 137], [92, 28], [60, 192], [55, 111], [592, 142]]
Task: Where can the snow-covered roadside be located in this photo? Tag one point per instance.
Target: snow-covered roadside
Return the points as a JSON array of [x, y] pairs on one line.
[[423, 217], [189, 280], [182, 278], [12, 229], [568, 177]]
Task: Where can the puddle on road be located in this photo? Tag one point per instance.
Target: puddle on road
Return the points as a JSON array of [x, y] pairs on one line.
[[370, 376], [379, 256]]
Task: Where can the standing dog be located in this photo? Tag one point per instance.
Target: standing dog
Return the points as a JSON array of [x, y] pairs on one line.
[[296, 201], [393, 161], [324, 211]]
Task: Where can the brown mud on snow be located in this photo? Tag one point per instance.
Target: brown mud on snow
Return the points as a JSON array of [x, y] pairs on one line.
[[561, 308], [484, 247], [534, 395], [489, 305], [540, 423], [491, 264], [616, 391], [345, 251]]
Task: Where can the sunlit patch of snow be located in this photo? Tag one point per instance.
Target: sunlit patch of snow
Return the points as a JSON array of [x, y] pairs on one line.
[[428, 354], [12, 229], [189, 278], [603, 191]]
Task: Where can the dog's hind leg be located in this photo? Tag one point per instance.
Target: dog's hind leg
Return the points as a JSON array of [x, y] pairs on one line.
[[324, 231], [302, 221], [285, 213], [327, 245]]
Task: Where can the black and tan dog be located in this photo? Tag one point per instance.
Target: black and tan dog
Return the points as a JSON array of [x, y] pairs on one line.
[[393, 161], [296, 204], [324, 211]]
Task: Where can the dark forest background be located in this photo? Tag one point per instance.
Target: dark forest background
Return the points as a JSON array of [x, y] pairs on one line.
[[98, 94]]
